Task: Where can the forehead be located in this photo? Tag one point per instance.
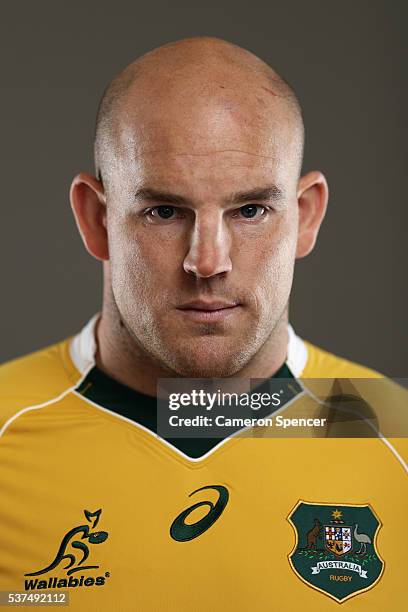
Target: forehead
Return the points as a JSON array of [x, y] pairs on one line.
[[206, 142], [213, 175]]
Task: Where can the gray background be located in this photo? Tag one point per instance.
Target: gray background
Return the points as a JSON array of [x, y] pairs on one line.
[[347, 62]]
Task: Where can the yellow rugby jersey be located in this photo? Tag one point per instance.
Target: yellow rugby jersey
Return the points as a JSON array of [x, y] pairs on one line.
[[94, 504]]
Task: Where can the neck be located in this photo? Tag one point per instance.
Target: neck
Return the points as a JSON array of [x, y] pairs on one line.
[[121, 357]]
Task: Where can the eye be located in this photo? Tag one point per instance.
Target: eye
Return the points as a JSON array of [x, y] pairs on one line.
[[164, 212], [252, 211]]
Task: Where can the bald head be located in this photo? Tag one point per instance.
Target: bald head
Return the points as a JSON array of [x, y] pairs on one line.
[[188, 91]]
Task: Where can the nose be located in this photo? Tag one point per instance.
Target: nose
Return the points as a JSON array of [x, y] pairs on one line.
[[210, 245]]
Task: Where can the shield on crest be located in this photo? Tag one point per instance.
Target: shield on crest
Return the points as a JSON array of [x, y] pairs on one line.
[[335, 550], [338, 539]]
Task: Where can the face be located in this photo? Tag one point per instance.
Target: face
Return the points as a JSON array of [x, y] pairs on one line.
[[202, 226]]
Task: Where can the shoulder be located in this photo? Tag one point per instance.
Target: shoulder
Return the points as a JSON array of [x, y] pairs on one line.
[[385, 399], [36, 378], [322, 364]]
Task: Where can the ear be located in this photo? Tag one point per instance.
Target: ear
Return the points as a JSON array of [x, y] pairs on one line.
[[88, 203], [312, 196]]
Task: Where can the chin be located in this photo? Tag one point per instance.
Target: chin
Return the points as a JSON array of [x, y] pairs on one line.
[[211, 363]]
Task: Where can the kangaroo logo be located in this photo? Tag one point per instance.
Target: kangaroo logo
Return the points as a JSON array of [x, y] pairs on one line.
[[93, 537]]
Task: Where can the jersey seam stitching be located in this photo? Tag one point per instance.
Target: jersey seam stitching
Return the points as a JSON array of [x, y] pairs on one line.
[[49, 402]]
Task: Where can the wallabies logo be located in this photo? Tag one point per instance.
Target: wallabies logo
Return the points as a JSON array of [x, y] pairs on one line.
[[74, 549]]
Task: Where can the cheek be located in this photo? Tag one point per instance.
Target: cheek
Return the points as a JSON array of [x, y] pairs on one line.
[[140, 264], [129, 263], [273, 258]]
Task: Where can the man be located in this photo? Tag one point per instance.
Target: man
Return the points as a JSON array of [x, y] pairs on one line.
[[198, 213]]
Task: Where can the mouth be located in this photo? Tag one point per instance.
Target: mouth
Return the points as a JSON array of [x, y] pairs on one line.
[[207, 312]]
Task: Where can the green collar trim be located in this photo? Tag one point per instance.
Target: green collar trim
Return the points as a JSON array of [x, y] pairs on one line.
[[108, 393]]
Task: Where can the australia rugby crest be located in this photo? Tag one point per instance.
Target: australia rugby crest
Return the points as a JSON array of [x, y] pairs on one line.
[[335, 550]]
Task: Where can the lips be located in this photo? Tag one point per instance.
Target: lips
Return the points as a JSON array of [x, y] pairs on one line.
[[202, 311], [207, 306]]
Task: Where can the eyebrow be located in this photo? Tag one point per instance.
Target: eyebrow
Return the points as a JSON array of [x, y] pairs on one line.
[[271, 192]]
